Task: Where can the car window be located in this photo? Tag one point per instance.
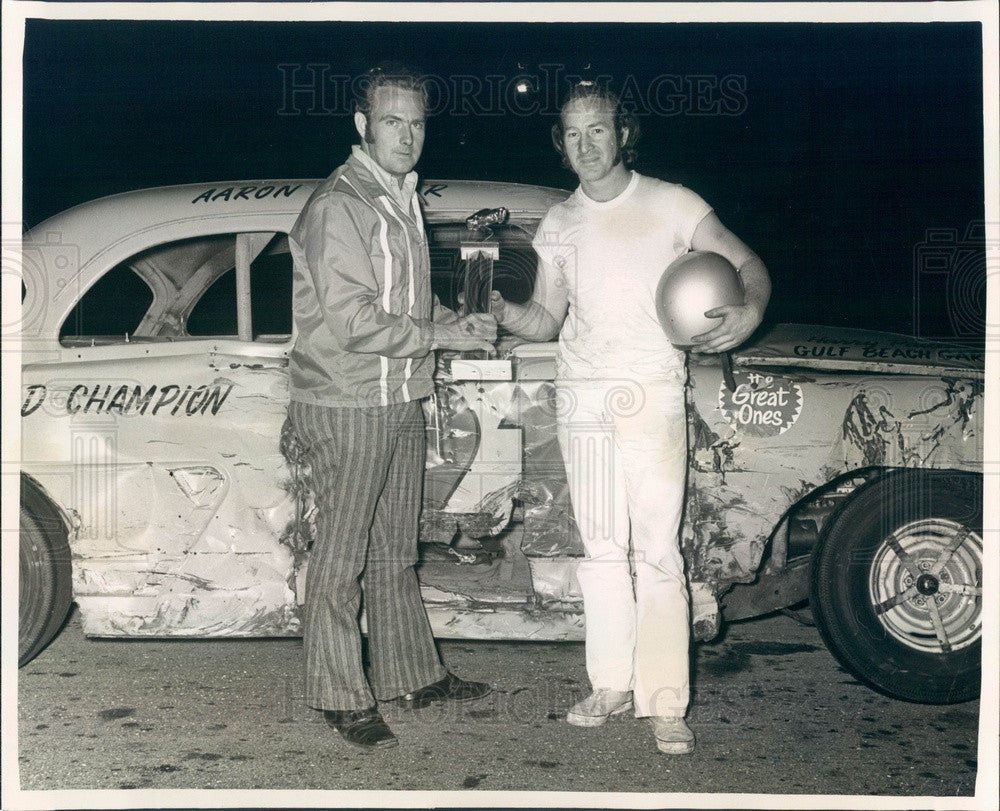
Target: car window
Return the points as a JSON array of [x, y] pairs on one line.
[[110, 311], [215, 313], [186, 289]]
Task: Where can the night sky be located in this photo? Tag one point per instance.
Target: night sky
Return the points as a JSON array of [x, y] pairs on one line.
[[834, 150]]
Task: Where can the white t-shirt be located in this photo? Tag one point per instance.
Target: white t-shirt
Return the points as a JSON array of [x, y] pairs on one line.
[[607, 259]]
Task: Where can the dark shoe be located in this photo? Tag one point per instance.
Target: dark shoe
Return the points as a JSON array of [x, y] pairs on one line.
[[450, 688], [362, 728]]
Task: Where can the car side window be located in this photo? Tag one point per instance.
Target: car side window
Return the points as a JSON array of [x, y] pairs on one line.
[[110, 311], [188, 289], [216, 313]]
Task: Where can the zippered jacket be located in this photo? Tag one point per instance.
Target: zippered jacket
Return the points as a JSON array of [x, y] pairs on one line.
[[361, 296]]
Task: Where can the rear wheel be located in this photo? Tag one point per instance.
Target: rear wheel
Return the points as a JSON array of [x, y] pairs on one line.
[[897, 585], [45, 584]]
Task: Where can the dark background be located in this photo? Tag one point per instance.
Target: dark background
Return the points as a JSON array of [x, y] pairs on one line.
[[836, 152]]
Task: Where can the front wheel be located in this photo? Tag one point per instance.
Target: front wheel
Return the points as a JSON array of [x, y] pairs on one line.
[[45, 581], [897, 585]]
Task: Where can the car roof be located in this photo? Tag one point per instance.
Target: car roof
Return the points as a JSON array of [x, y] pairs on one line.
[[444, 200]]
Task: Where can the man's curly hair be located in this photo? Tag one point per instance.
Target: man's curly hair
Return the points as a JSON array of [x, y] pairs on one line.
[[624, 120]]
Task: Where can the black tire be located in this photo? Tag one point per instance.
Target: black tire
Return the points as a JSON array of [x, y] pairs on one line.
[[45, 585], [875, 606]]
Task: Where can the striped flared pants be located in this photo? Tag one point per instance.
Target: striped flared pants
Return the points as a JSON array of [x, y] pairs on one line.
[[367, 473]]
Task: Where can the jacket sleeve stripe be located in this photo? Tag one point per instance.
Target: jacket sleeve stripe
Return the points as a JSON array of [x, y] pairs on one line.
[[383, 237], [407, 371], [383, 380], [418, 218], [411, 293]]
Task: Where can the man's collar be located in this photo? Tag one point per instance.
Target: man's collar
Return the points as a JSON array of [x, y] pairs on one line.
[[386, 180]]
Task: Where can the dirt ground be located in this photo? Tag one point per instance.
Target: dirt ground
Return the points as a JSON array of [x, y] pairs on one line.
[[773, 712]]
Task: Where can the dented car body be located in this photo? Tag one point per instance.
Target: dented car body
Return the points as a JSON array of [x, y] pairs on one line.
[[157, 444]]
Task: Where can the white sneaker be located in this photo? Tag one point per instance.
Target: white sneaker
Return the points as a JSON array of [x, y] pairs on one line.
[[673, 735], [595, 708]]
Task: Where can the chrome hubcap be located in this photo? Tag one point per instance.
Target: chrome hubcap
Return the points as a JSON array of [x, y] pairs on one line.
[[925, 584]]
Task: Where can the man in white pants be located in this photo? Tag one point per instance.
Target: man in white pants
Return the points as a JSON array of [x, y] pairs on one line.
[[620, 384]]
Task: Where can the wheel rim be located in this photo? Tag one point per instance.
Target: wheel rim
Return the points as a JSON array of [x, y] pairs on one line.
[[925, 585]]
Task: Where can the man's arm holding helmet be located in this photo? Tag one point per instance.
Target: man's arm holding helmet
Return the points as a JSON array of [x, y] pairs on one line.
[[736, 323]]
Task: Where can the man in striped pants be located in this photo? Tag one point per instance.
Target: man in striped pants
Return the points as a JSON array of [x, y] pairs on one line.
[[367, 325]]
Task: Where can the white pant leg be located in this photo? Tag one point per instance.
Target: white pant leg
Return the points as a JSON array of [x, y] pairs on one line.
[[651, 435], [597, 491]]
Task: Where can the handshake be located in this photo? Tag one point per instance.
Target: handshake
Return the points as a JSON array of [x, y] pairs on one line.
[[473, 331]]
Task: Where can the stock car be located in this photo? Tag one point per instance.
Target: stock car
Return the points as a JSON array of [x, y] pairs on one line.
[[162, 492]]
